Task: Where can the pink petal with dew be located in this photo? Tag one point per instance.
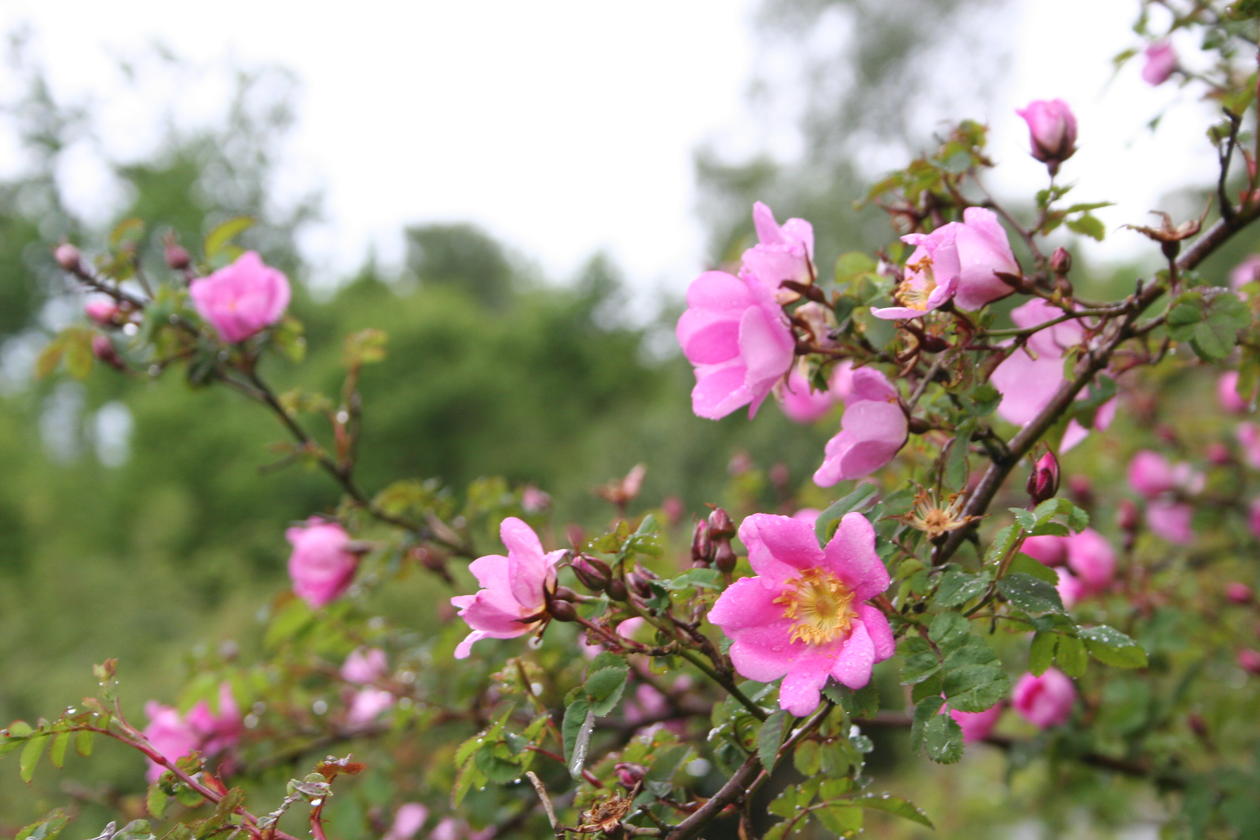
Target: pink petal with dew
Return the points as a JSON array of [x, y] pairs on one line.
[[764, 653], [876, 624], [801, 690], [779, 546], [850, 555], [857, 655], [747, 602]]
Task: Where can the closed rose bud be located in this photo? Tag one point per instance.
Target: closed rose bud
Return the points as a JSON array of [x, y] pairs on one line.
[[630, 775], [1060, 261], [1239, 593], [592, 572], [639, 582], [724, 558], [562, 610], [1249, 660], [1051, 131], [101, 310], [1043, 481], [701, 546], [176, 257], [1218, 454], [1127, 516], [1161, 61], [1082, 490], [320, 565], [617, 590], [564, 593], [103, 349], [68, 256], [720, 525]]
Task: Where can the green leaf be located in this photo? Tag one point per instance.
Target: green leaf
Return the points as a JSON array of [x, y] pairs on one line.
[[83, 742], [365, 347], [770, 738], [1111, 647], [1003, 542], [30, 756], [127, 229], [58, 752], [942, 739], [1041, 652], [893, 805], [1089, 225], [1209, 319], [841, 819], [1030, 594], [579, 721], [289, 338], [604, 689], [156, 799], [221, 236], [954, 474], [1070, 656], [859, 498], [47, 828], [974, 688], [949, 629], [1024, 565], [957, 588]]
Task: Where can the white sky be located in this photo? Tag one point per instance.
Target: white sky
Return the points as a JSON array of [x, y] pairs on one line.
[[562, 126]]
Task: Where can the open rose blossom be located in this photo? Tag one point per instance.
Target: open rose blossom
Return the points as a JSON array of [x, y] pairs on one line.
[[737, 337], [803, 617], [320, 565], [513, 588], [1161, 61], [1086, 562], [242, 298], [1051, 131], [1044, 701], [201, 730], [407, 821], [872, 430], [930, 277], [102, 310], [803, 405], [783, 252]]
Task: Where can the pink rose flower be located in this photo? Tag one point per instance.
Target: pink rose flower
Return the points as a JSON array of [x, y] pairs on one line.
[[1161, 60], [1249, 438], [201, 730], [1044, 701], [872, 430], [1075, 432], [1227, 393], [1069, 587], [242, 298], [1051, 131], [513, 590], [364, 666], [976, 726], [366, 705], [407, 821], [738, 339], [1247, 271], [1046, 549], [803, 405], [930, 277], [1091, 559], [983, 251], [101, 310], [1170, 520], [1249, 660], [1238, 592], [1151, 474], [320, 565], [784, 252], [803, 616]]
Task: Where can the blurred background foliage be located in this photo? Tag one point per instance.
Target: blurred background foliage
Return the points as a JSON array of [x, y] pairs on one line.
[[143, 521]]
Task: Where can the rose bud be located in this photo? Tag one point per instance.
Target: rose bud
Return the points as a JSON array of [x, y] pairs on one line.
[[176, 257], [103, 349], [1218, 454], [630, 775], [1082, 491], [101, 310], [1127, 516], [1249, 660], [640, 582], [1238, 593], [68, 256], [617, 590], [701, 546], [720, 525], [592, 572], [1060, 261], [562, 610], [1043, 481], [724, 558], [1051, 131], [1161, 61]]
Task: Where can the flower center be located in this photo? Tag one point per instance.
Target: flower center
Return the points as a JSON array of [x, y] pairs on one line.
[[917, 286], [819, 604]]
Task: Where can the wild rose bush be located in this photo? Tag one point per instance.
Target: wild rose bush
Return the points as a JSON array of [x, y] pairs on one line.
[[732, 674]]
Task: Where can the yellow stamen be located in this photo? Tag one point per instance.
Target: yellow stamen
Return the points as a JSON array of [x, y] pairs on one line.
[[915, 295], [820, 605]]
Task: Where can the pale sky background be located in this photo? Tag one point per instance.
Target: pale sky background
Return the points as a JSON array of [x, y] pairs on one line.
[[425, 111]]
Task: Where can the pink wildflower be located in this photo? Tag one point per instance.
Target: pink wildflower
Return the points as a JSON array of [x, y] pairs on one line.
[[1227, 393], [1238, 592], [242, 298], [976, 726], [102, 310], [200, 730], [930, 277], [1051, 131], [983, 252], [1249, 660], [1046, 549], [1069, 587], [320, 565], [1092, 559], [407, 821], [1044, 701], [872, 430], [803, 617], [784, 252], [366, 705], [364, 666], [513, 590], [1161, 60], [1247, 271]]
